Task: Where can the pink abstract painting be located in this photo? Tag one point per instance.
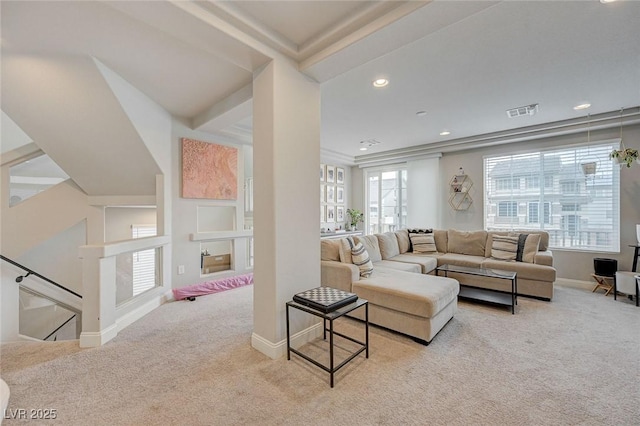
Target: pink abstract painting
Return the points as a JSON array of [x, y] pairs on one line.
[[209, 170]]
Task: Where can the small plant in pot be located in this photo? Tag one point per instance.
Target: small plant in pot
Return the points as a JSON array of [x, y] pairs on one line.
[[626, 156], [356, 216]]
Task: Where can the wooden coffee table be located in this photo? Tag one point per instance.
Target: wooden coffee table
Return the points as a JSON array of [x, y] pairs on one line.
[[483, 294]]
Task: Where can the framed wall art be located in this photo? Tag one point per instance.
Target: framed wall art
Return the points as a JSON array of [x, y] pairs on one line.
[[209, 170]]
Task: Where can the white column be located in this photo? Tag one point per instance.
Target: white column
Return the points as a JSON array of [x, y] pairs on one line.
[[286, 151]]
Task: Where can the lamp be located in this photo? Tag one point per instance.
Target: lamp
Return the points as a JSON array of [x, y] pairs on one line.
[[623, 155], [21, 277]]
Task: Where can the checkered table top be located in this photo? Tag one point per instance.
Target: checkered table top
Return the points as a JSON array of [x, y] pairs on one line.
[[326, 299]]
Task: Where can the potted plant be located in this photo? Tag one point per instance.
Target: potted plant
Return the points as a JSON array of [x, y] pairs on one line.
[[356, 217], [625, 155]]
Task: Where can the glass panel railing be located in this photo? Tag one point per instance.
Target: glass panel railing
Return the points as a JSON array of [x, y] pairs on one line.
[[136, 273], [45, 319]]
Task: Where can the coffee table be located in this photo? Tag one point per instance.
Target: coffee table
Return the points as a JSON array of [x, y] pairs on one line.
[[330, 317], [483, 294]]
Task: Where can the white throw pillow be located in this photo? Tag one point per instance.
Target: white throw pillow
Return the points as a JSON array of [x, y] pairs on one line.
[[423, 243], [504, 248]]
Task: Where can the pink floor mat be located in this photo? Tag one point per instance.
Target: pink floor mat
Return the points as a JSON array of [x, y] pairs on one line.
[[210, 287]]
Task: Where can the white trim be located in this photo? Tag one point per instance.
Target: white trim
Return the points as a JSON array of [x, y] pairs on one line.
[[135, 314], [94, 339], [279, 349], [220, 235]]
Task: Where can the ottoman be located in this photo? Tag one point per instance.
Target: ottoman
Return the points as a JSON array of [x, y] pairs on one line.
[[626, 282], [418, 305]]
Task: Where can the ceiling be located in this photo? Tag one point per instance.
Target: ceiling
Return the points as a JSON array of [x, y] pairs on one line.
[[463, 62]]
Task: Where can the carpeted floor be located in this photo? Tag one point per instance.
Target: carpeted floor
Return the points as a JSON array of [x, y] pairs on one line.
[[573, 361]]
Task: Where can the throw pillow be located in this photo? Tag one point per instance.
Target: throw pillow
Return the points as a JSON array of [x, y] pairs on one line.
[[360, 258], [423, 243], [527, 246], [345, 250], [504, 248]]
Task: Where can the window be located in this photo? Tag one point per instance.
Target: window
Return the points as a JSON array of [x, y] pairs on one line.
[[533, 212], [580, 211], [532, 182], [387, 200], [144, 261], [507, 184], [507, 209]]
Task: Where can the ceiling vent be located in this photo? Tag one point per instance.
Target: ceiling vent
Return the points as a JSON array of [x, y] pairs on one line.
[[523, 110], [370, 142]]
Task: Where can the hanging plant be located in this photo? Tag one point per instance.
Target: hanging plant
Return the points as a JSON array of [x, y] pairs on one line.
[[626, 155]]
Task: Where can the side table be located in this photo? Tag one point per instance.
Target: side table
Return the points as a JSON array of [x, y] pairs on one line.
[[330, 317]]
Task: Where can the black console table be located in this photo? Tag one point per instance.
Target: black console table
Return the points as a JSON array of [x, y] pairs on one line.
[[331, 316]]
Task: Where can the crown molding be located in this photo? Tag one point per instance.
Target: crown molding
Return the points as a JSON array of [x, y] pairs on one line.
[[613, 119]]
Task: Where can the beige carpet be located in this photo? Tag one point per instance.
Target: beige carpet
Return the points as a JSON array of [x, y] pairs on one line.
[[574, 361]]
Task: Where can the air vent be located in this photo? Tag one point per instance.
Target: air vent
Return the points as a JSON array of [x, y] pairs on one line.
[[523, 110], [370, 142]]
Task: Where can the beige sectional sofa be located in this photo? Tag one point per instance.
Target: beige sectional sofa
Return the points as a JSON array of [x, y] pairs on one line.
[[404, 298], [400, 297]]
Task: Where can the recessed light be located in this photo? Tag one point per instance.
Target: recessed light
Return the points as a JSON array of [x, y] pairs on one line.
[[606, 1], [364, 148], [445, 133], [380, 82], [421, 113], [582, 106]]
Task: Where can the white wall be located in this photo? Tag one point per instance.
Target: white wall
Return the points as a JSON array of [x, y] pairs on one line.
[[185, 214], [118, 221], [424, 187]]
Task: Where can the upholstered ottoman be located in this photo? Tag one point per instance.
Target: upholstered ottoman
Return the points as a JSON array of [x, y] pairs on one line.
[[627, 283], [418, 305]]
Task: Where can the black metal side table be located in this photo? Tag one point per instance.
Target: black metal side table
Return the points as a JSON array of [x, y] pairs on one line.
[[330, 317]]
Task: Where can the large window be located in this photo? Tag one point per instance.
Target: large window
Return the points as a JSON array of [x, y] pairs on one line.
[[578, 206], [386, 200]]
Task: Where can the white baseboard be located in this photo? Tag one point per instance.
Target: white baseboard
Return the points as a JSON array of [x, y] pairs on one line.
[[94, 339], [279, 349], [566, 282], [138, 312]]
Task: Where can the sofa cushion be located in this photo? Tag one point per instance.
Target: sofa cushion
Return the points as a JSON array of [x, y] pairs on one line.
[[400, 266], [370, 243], [460, 260], [466, 242], [404, 244], [330, 250], [525, 271], [544, 239], [416, 294], [504, 247], [527, 247], [388, 245], [441, 236], [427, 263], [360, 258], [423, 243]]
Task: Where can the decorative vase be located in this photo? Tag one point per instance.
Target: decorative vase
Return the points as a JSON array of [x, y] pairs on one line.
[[638, 233]]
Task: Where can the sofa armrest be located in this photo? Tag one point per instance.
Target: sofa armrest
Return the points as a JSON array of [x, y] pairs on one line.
[[338, 275], [543, 257]]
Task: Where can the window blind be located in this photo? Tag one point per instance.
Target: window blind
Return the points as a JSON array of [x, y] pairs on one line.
[[144, 261], [571, 192]]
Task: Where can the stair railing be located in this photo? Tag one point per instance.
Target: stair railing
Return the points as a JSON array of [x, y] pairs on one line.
[[34, 273]]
